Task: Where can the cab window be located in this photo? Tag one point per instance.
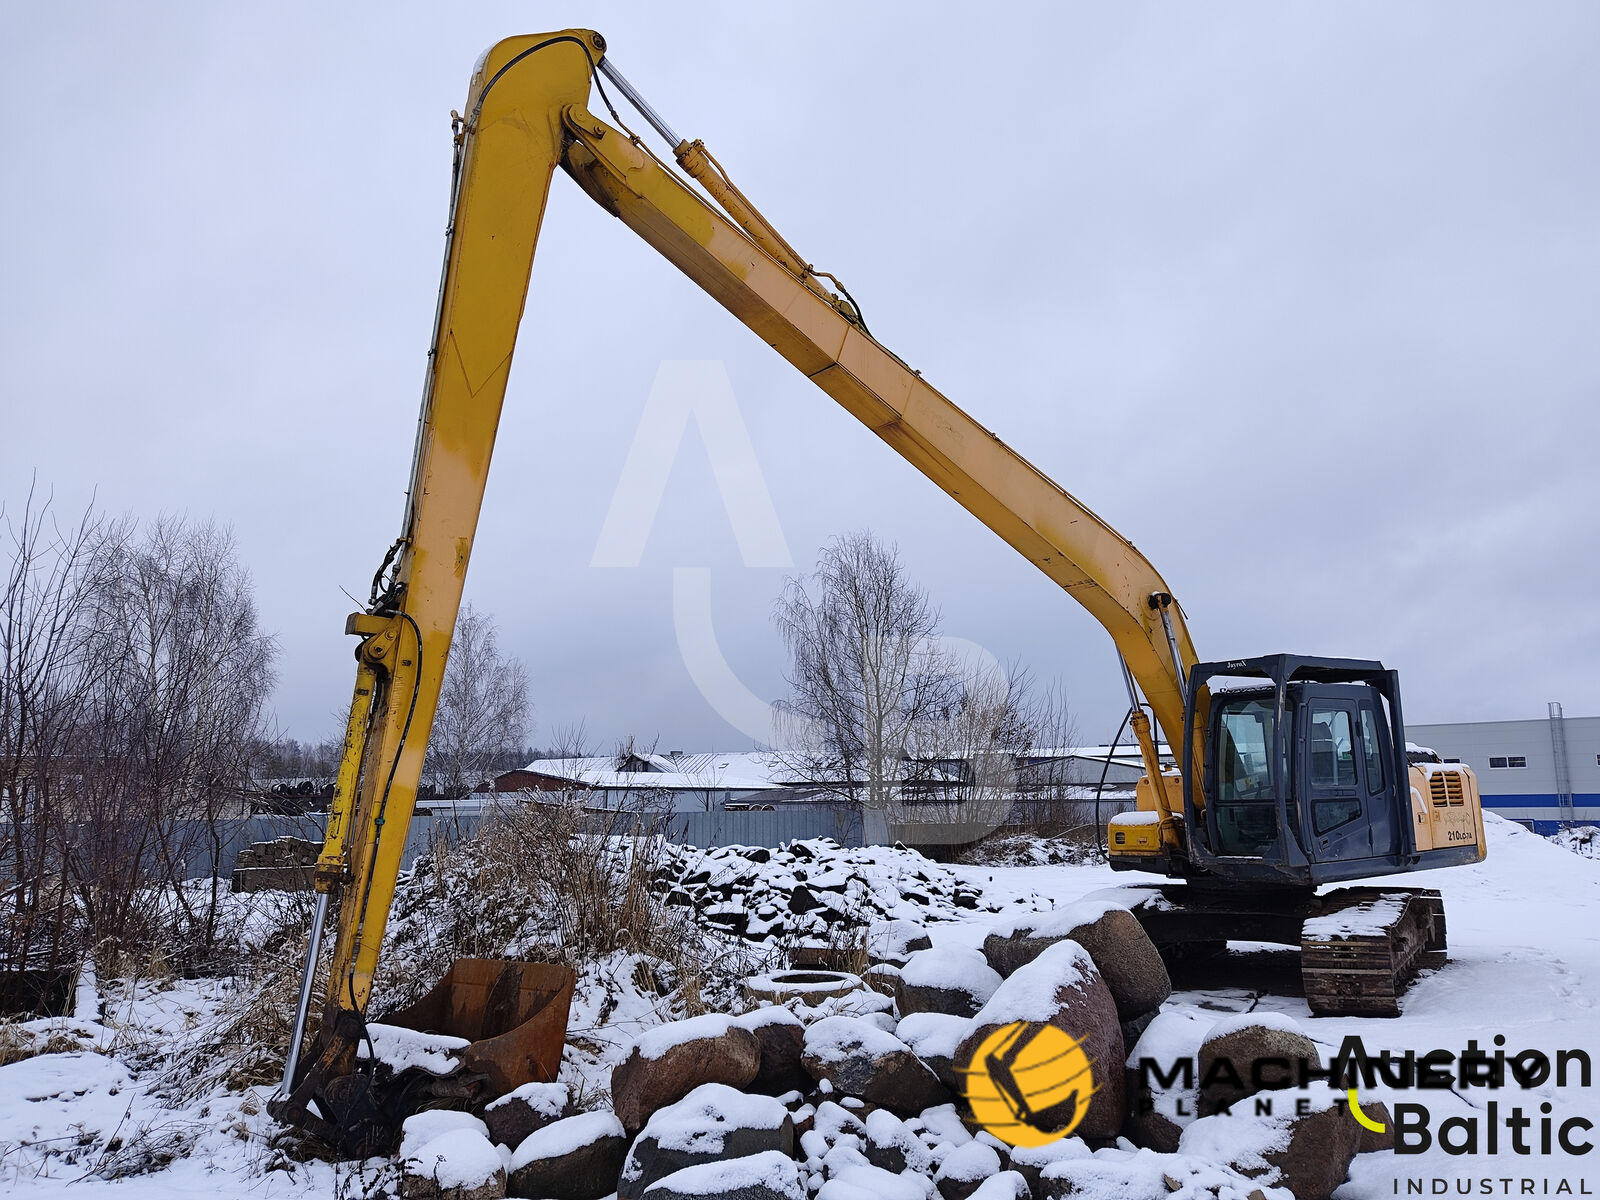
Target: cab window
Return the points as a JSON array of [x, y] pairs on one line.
[[1333, 760], [1332, 765], [1244, 768], [1372, 748]]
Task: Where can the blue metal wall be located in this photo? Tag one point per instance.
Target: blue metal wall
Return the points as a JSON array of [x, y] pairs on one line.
[[1543, 810]]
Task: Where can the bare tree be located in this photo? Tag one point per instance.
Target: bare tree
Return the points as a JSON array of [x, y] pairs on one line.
[[180, 674], [988, 760], [483, 708], [962, 762], [133, 679], [43, 627], [865, 670]]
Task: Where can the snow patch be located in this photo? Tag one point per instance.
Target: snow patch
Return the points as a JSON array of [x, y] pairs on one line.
[[969, 1163], [1031, 992], [460, 1158], [1251, 1020], [701, 1121], [425, 1127], [548, 1100], [657, 1042], [565, 1137], [933, 1034], [954, 969], [401, 1048], [874, 1183], [1370, 918], [770, 1014], [836, 1039], [771, 1169]]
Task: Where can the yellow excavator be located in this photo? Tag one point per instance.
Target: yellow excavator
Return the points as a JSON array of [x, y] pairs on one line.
[[1292, 771]]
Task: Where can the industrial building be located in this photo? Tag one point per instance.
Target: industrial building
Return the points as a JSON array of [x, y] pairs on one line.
[[1542, 773]]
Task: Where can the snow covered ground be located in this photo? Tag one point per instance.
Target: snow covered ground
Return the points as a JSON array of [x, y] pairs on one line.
[[1524, 937], [122, 1094]]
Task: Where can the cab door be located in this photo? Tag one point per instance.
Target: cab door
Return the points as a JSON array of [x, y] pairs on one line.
[[1331, 774], [1385, 806]]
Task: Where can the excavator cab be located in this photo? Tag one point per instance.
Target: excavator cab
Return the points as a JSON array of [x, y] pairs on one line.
[[1304, 776], [1295, 774]]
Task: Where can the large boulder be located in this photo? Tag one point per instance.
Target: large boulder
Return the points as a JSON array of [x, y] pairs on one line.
[[421, 1128], [577, 1158], [893, 1146], [448, 1156], [866, 1182], [882, 977], [518, 1113], [1126, 957], [779, 1035], [964, 1169], [894, 942], [1145, 1176], [670, 1061], [711, 1123], [769, 1175], [1063, 989], [955, 981], [1008, 1185], [1030, 1161], [1247, 1054], [1376, 1139], [935, 1038], [859, 1059], [1308, 1154], [1159, 1109], [1148, 1126], [1134, 1177]]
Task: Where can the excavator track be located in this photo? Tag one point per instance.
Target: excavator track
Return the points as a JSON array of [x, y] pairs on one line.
[[1361, 947]]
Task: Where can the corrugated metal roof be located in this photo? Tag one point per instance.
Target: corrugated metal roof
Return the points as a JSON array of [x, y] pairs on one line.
[[748, 770], [736, 771]]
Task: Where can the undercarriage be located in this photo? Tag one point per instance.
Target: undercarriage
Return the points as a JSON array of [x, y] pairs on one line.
[[1360, 947]]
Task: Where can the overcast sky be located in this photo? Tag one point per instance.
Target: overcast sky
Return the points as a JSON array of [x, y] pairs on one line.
[[1303, 298]]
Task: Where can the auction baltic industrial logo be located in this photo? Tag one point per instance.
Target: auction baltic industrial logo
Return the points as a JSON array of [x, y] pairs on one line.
[[1030, 1083]]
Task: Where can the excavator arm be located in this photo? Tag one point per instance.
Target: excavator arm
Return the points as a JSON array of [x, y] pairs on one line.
[[527, 114]]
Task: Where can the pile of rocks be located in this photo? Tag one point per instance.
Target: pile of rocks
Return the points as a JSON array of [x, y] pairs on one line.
[[288, 864], [808, 892], [859, 1095]]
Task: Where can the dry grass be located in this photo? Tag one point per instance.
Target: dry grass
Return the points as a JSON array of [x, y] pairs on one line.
[[18, 1044], [15, 1045], [539, 881], [244, 1043]]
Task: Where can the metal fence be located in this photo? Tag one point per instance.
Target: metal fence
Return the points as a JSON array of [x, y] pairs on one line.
[[772, 827], [753, 827]]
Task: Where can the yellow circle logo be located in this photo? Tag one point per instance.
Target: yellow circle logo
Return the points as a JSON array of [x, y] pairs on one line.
[[1029, 1083]]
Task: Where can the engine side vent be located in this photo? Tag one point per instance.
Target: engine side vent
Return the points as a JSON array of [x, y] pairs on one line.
[[1444, 787]]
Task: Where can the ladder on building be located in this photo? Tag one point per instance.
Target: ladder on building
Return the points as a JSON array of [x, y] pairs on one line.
[[1558, 744]]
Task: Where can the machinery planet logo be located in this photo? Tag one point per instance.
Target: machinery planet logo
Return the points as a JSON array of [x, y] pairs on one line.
[[1029, 1083]]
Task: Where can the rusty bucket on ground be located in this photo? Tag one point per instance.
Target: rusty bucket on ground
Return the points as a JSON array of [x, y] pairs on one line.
[[513, 1013]]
